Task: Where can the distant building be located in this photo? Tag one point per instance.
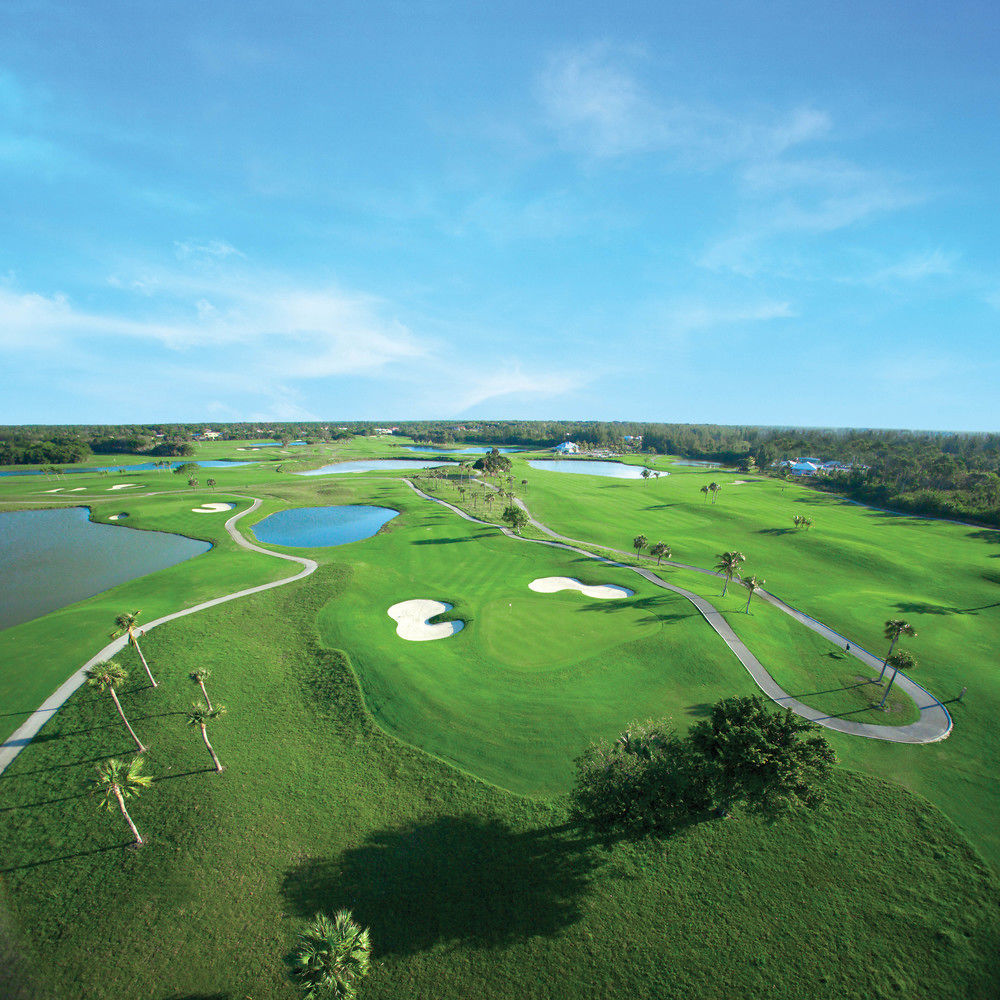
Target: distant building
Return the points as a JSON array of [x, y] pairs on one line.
[[207, 435], [567, 448], [802, 468]]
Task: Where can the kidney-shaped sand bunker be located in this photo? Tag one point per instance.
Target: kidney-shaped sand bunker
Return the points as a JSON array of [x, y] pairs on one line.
[[553, 584], [412, 620]]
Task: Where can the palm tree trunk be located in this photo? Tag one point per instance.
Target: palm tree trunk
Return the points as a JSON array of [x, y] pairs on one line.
[[204, 736], [208, 701], [889, 688], [118, 705], [128, 819], [885, 662], [725, 586], [749, 598], [135, 642]]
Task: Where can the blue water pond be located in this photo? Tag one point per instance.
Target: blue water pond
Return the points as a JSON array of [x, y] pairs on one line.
[[373, 465], [316, 527], [582, 467]]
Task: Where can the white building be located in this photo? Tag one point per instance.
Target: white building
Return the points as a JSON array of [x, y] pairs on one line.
[[567, 448]]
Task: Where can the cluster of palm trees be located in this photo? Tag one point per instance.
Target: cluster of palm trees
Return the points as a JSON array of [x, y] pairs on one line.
[[117, 780], [712, 488], [658, 549], [895, 629], [800, 521], [728, 565]]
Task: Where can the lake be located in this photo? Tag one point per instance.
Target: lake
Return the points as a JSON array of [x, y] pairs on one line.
[[584, 467], [52, 558], [316, 527], [143, 467], [373, 465]]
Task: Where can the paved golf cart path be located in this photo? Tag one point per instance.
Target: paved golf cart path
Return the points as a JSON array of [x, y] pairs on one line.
[[934, 723], [27, 731]]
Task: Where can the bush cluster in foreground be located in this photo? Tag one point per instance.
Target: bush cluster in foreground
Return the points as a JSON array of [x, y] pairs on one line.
[[653, 780]]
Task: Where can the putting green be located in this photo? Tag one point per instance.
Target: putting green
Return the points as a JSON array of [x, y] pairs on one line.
[[531, 678]]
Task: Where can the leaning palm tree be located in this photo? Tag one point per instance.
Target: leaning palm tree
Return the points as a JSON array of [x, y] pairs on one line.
[[109, 676], [714, 488], [705, 490], [332, 957], [752, 583], [125, 623], [201, 715], [894, 628], [117, 782], [639, 543], [198, 677], [729, 566], [899, 661], [661, 550]]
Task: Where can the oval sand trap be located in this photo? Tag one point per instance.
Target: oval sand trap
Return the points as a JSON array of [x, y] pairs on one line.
[[553, 584], [413, 620], [118, 517], [212, 508]]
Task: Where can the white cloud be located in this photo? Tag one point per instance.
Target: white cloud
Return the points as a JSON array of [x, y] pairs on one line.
[[209, 249], [916, 267], [476, 388], [688, 317]]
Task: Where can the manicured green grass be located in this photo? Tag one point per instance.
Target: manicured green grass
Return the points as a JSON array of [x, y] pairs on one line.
[[853, 570], [468, 890]]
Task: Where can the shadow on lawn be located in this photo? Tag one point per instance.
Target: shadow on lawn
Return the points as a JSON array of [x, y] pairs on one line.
[[439, 541], [455, 879]]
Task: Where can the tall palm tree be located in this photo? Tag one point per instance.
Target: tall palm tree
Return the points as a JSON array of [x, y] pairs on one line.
[[729, 566], [714, 488], [705, 490], [661, 550], [894, 628], [752, 583], [202, 715], [198, 677], [332, 957], [125, 622], [900, 661], [645, 473], [117, 782], [211, 482], [639, 543], [109, 676]]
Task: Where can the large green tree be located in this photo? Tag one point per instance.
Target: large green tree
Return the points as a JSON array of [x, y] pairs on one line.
[[771, 762], [639, 543], [661, 550], [125, 623], [514, 517], [332, 957]]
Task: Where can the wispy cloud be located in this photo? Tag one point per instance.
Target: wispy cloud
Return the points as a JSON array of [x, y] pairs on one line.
[[205, 250], [594, 100], [510, 382], [916, 267]]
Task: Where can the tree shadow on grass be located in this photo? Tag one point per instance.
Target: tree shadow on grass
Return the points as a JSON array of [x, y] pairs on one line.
[[66, 857], [455, 879], [439, 541], [775, 531]]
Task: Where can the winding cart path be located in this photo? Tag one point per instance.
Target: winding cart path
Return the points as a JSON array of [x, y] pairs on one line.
[[934, 723]]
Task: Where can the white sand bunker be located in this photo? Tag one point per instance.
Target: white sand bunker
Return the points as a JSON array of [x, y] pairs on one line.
[[413, 620], [125, 486], [553, 584], [213, 508], [118, 517]]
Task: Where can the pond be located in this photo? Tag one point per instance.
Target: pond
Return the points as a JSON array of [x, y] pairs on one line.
[[51, 558], [143, 467], [316, 527], [695, 463], [472, 450], [373, 465], [583, 467]]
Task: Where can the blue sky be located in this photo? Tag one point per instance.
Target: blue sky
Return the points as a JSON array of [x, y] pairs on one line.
[[729, 212]]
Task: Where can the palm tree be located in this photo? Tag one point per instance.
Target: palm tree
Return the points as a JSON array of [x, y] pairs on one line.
[[639, 543], [201, 715], [194, 482], [900, 661], [729, 565], [645, 473], [797, 520], [198, 677], [894, 628], [705, 490], [332, 957], [661, 550], [714, 487], [109, 676], [752, 583], [211, 482], [807, 523], [125, 622], [117, 782]]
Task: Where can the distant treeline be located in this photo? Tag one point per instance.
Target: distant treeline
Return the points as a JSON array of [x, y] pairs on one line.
[[944, 475]]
